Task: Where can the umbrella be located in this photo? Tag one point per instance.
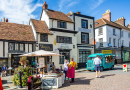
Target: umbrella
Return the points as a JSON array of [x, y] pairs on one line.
[[41, 53]]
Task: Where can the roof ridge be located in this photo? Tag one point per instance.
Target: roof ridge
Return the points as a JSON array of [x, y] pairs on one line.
[[15, 23]]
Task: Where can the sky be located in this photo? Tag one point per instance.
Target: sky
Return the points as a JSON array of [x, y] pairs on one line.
[[20, 11]]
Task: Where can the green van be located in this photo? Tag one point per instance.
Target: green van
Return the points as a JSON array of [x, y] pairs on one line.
[[106, 59]]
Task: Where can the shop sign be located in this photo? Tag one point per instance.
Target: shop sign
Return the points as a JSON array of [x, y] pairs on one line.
[[41, 62], [46, 47], [84, 30], [106, 51], [125, 67], [64, 46]]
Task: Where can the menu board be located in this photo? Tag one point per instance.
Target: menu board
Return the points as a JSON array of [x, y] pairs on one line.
[[49, 82], [41, 62]]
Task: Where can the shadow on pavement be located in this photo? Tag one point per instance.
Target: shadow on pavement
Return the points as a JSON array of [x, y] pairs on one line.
[[6, 87], [103, 76], [78, 81]]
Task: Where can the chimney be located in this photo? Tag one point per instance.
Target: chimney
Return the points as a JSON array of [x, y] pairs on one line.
[[70, 13], [121, 21], [128, 25], [3, 19], [107, 15], [45, 6], [6, 20], [78, 12]]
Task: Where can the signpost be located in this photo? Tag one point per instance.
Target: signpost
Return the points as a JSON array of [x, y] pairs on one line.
[[125, 68]]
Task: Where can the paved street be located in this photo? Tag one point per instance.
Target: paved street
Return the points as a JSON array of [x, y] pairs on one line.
[[110, 80]]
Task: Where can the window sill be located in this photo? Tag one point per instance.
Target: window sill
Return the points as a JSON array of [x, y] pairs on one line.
[[114, 35]]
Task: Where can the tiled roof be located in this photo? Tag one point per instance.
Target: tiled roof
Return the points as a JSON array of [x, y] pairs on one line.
[[17, 32], [40, 26], [58, 15], [103, 21]]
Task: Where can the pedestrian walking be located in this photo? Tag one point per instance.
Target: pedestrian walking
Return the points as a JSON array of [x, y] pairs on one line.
[[66, 63], [97, 62], [71, 70]]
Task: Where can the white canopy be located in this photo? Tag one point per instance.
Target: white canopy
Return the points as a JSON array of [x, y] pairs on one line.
[[41, 53]]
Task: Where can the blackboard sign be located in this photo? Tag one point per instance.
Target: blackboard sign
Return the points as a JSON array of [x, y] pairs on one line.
[[49, 82], [46, 47]]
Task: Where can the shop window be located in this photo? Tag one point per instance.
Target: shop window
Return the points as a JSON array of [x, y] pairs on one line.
[[85, 38], [109, 59], [11, 46], [84, 24], [100, 32], [114, 32], [44, 38], [66, 55], [62, 39], [61, 24], [83, 56], [101, 42]]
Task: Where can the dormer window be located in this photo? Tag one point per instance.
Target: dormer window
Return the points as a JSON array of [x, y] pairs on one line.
[[61, 24]]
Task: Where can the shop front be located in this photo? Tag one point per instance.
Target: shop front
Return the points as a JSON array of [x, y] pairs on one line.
[[126, 54]]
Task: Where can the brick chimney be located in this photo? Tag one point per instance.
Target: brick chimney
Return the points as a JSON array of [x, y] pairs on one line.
[[70, 13], [107, 15], [3, 19], [6, 20], [128, 25], [45, 6], [78, 12], [121, 21]]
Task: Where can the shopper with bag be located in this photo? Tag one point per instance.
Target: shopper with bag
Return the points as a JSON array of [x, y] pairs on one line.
[[66, 63], [71, 70]]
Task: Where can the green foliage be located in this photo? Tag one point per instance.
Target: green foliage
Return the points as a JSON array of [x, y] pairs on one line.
[[25, 75], [76, 67]]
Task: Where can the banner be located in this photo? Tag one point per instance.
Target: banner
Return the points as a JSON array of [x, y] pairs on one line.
[[106, 51]]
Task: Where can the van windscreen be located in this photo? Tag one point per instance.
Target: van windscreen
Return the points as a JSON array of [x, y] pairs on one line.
[[91, 58]]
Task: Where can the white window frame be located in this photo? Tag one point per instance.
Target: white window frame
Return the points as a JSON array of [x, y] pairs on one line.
[[100, 31]]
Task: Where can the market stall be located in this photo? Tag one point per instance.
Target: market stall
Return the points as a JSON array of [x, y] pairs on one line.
[[50, 76]]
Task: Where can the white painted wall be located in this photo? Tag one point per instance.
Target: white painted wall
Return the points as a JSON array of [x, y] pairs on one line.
[[1, 48], [34, 32]]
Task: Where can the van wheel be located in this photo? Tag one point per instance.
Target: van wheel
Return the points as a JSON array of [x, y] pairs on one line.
[[101, 68], [112, 67]]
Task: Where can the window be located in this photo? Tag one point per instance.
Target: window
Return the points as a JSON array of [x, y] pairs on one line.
[[85, 24], [44, 38], [122, 42], [129, 35], [101, 42], [109, 59], [121, 33], [66, 55], [16, 46], [114, 42], [118, 42], [109, 40], [129, 44], [114, 32], [62, 39], [61, 24], [21, 47], [11, 46], [85, 38], [100, 31]]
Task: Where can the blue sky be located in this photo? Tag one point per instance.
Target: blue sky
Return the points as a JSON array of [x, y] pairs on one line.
[[20, 11]]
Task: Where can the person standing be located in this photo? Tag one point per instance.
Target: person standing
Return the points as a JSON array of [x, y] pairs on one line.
[[71, 70], [66, 63], [97, 62], [4, 69]]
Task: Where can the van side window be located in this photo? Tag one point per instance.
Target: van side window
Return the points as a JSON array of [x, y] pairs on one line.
[[109, 59]]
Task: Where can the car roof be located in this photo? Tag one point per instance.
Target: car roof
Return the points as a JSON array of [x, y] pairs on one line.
[[99, 54]]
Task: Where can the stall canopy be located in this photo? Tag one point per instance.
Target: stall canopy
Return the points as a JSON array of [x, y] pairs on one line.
[[41, 53]]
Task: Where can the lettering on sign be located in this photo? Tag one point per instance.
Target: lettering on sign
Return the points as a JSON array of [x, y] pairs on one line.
[[49, 82], [106, 51], [64, 46], [46, 47], [84, 30]]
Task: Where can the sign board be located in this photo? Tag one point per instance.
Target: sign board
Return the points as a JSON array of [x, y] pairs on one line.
[[41, 62], [84, 30], [49, 82], [46, 47], [106, 51], [64, 46], [125, 67]]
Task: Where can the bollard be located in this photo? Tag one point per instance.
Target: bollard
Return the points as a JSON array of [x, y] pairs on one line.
[[20, 79]]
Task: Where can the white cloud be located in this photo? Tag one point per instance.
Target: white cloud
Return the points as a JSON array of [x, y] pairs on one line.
[[18, 11], [72, 3], [95, 3]]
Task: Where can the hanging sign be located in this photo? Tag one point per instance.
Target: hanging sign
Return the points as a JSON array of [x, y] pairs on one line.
[[125, 67], [106, 51]]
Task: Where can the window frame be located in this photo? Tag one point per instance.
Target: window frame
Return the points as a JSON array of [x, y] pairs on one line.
[[9, 46], [42, 37], [114, 42], [109, 40], [63, 41], [128, 35], [82, 37], [83, 20], [122, 43], [114, 32], [23, 46], [121, 33], [100, 42], [59, 24], [99, 31]]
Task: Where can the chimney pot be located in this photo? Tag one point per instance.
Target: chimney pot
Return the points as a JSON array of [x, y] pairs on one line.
[[107, 15], [3, 19], [78, 12], [6, 20], [45, 6], [121, 21]]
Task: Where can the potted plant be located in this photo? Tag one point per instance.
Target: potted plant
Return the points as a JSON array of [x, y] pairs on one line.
[[23, 61]]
